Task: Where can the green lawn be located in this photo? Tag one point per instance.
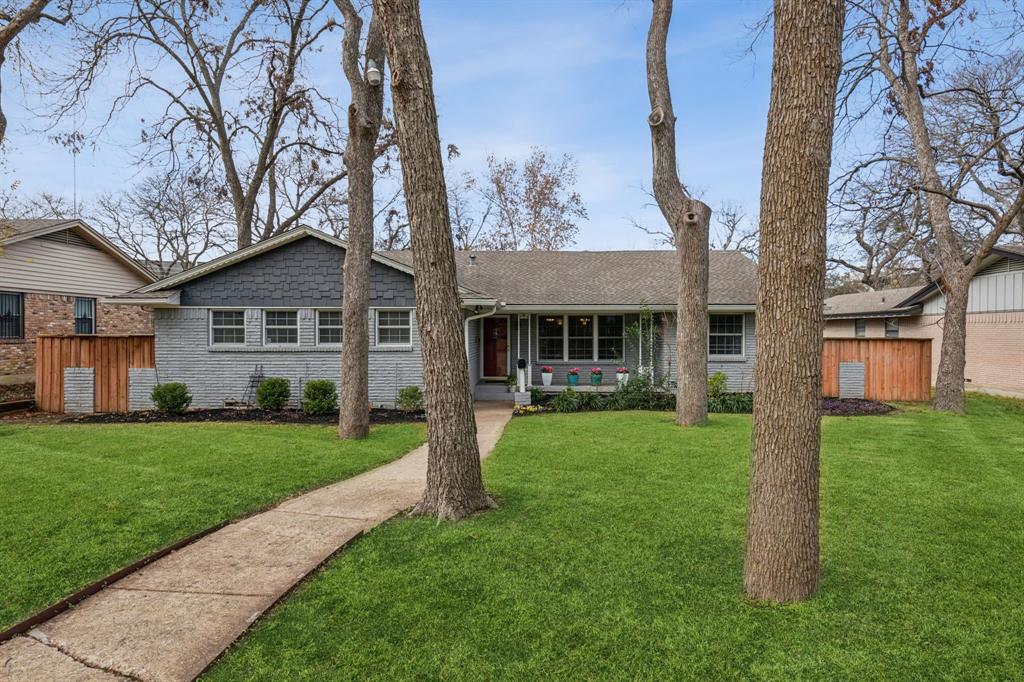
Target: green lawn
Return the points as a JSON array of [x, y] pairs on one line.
[[79, 502], [617, 553]]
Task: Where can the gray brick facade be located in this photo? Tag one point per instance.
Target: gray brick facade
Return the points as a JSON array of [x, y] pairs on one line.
[[739, 371], [141, 381], [302, 273], [218, 374]]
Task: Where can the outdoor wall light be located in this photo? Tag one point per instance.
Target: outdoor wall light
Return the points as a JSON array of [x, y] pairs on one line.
[[373, 75]]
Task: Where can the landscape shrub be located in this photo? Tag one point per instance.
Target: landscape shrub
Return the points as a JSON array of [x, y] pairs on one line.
[[641, 393], [320, 397], [536, 396], [171, 398], [736, 403], [566, 401], [718, 384], [591, 402], [273, 393], [410, 399]]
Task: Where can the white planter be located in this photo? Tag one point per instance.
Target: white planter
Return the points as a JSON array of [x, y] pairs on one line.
[[545, 377], [622, 378]]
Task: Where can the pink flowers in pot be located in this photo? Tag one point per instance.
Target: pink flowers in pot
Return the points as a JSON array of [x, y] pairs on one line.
[[596, 370], [547, 369], [622, 370], [575, 372]]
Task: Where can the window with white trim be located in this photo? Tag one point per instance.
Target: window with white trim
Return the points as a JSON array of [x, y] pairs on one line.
[[725, 335], [227, 327], [892, 328], [550, 337], [328, 327], [860, 327], [12, 316], [280, 327], [394, 328]]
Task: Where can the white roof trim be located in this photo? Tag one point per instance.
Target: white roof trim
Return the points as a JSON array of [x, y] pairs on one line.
[[90, 235]]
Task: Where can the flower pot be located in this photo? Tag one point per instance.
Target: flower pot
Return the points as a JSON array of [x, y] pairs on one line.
[[545, 378], [622, 378], [573, 379], [595, 379]]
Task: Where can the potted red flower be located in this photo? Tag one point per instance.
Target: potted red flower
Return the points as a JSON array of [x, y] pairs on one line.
[[595, 376], [622, 375], [573, 376], [546, 372]]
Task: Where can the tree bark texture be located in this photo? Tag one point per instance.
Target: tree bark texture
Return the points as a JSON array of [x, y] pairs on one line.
[[949, 380], [454, 482], [782, 560], [689, 219], [364, 122]]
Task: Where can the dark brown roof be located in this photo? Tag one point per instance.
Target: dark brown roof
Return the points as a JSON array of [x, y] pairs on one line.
[[596, 277], [869, 302], [21, 226]]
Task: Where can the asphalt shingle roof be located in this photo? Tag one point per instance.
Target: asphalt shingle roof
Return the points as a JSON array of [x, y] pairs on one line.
[[596, 277], [20, 226], [868, 302]]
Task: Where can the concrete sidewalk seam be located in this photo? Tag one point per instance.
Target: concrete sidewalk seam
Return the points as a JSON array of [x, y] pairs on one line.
[[41, 638]]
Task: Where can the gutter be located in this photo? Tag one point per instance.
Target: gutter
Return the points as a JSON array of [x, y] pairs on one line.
[[465, 332]]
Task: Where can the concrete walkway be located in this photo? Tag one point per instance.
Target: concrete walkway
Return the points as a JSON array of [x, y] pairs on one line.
[[169, 620]]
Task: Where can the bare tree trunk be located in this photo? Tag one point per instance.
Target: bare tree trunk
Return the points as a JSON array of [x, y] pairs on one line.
[[364, 121], [689, 220], [782, 562], [454, 482], [949, 382]]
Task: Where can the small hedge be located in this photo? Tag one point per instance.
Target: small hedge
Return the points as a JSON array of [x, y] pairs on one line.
[[171, 398], [273, 393], [410, 399], [641, 393], [319, 397]]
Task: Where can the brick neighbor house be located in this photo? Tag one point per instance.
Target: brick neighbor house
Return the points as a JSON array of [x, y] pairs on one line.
[[53, 276], [995, 320]]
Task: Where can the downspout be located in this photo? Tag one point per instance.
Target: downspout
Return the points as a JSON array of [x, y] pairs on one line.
[[476, 317]]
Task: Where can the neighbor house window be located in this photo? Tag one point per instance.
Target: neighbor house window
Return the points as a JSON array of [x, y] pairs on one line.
[[12, 316], [394, 328], [227, 326], [328, 326], [281, 327], [725, 335], [892, 328], [581, 337], [610, 337], [85, 315], [860, 327], [550, 337]]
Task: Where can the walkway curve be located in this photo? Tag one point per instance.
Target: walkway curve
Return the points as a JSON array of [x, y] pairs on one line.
[[171, 619]]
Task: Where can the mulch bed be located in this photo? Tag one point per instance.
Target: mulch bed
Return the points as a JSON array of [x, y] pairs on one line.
[[852, 407], [377, 416], [11, 392]]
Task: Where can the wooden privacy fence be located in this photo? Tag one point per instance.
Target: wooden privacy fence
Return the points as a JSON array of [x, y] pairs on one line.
[[894, 369], [110, 357]]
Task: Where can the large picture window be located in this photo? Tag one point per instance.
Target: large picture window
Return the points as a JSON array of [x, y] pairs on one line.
[[580, 338], [610, 337], [328, 327], [227, 327], [394, 328], [85, 315], [725, 335], [281, 327], [551, 337], [12, 316]]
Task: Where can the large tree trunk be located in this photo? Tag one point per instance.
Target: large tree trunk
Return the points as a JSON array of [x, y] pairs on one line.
[[782, 563], [454, 483], [949, 383], [364, 121], [689, 221]]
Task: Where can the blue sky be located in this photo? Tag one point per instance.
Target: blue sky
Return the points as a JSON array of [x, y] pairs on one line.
[[565, 75]]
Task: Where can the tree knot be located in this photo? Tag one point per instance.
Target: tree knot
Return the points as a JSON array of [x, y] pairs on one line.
[[656, 117]]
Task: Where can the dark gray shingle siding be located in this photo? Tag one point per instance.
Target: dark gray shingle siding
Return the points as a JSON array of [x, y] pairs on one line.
[[303, 273]]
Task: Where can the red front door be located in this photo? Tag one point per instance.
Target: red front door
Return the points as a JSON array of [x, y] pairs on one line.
[[495, 346]]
